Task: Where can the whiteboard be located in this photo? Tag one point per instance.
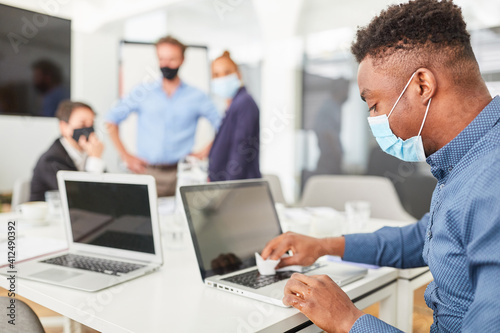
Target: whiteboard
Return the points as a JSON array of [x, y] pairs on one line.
[[139, 64]]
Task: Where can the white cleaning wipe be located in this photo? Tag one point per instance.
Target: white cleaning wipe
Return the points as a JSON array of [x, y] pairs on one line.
[[268, 267]]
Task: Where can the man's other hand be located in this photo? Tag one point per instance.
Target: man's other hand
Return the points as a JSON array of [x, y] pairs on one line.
[[135, 164], [322, 301]]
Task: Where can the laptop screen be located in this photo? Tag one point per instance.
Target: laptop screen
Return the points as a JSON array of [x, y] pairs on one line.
[[229, 222], [111, 215]]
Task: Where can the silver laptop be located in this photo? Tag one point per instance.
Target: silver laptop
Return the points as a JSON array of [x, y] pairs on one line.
[[229, 222], [112, 231]]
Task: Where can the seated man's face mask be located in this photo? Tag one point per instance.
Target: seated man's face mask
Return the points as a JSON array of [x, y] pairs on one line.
[[85, 131], [410, 150]]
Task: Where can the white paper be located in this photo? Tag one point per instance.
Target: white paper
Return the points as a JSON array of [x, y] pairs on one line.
[[268, 267], [30, 247]]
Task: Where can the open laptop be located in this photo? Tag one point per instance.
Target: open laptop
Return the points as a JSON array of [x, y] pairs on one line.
[[229, 222], [112, 231]]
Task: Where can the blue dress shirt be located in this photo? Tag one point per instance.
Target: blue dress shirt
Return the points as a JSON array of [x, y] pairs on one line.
[[235, 152], [166, 125], [459, 239]]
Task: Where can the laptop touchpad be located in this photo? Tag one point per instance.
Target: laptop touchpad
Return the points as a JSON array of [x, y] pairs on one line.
[[53, 274]]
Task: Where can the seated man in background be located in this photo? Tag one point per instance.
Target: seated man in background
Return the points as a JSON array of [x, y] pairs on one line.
[[78, 149]]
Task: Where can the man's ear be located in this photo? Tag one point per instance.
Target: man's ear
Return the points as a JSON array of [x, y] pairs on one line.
[[427, 84], [63, 128]]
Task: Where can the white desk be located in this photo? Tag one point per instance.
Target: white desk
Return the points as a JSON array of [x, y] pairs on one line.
[[174, 299]]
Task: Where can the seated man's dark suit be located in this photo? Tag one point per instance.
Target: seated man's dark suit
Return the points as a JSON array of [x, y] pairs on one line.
[[44, 175]]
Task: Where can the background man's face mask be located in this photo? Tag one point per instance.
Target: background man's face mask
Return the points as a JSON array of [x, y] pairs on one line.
[[169, 73], [410, 150], [85, 131]]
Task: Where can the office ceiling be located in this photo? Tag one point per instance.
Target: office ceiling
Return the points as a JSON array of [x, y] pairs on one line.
[[317, 15]]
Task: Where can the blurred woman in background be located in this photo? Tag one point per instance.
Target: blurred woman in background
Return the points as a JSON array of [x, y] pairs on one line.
[[235, 150]]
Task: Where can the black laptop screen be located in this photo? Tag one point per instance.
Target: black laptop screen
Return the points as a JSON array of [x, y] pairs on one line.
[[110, 215], [229, 223]]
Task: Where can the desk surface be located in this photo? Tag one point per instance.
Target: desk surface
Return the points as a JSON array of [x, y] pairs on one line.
[[172, 299]]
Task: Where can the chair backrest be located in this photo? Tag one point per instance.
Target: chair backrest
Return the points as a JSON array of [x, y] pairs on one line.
[[21, 192], [416, 193], [25, 319], [276, 189], [335, 191]]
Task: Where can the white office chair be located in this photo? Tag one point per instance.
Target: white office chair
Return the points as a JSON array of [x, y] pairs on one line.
[[20, 192], [276, 189], [335, 191]]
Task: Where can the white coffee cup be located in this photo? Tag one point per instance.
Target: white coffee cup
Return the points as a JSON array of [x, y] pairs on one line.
[[33, 210]]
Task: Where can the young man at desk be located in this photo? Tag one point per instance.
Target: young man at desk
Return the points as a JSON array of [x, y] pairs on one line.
[[427, 101]]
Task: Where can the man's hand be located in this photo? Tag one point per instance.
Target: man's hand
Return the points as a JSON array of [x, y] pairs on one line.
[[306, 250], [203, 153], [135, 164], [322, 301], [93, 147]]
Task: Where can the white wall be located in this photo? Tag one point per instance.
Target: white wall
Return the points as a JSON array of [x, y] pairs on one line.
[[95, 78], [22, 140]]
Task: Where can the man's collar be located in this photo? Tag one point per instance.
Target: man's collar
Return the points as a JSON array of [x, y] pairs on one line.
[[446, 158], [78, 157]]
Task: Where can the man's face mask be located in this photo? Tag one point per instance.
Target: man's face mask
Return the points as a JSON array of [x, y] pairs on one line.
[[410, 150], [85, 131], [169, 73]]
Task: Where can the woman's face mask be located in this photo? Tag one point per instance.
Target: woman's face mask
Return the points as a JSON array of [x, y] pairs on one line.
[[226, 86]]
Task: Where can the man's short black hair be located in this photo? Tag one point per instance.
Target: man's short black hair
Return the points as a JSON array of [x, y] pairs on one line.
[[419, 33], [66, 107]]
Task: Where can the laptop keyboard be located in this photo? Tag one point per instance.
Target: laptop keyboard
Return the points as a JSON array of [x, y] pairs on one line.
[[254, 280], [106, 266]]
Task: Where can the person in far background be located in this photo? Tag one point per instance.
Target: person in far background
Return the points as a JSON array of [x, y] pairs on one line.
[[168, 112], [48, 82], [235, 150], [78, 149]]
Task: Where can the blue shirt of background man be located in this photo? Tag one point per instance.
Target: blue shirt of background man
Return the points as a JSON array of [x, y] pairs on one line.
[[166, 125], [235, 151], [459, 239]]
